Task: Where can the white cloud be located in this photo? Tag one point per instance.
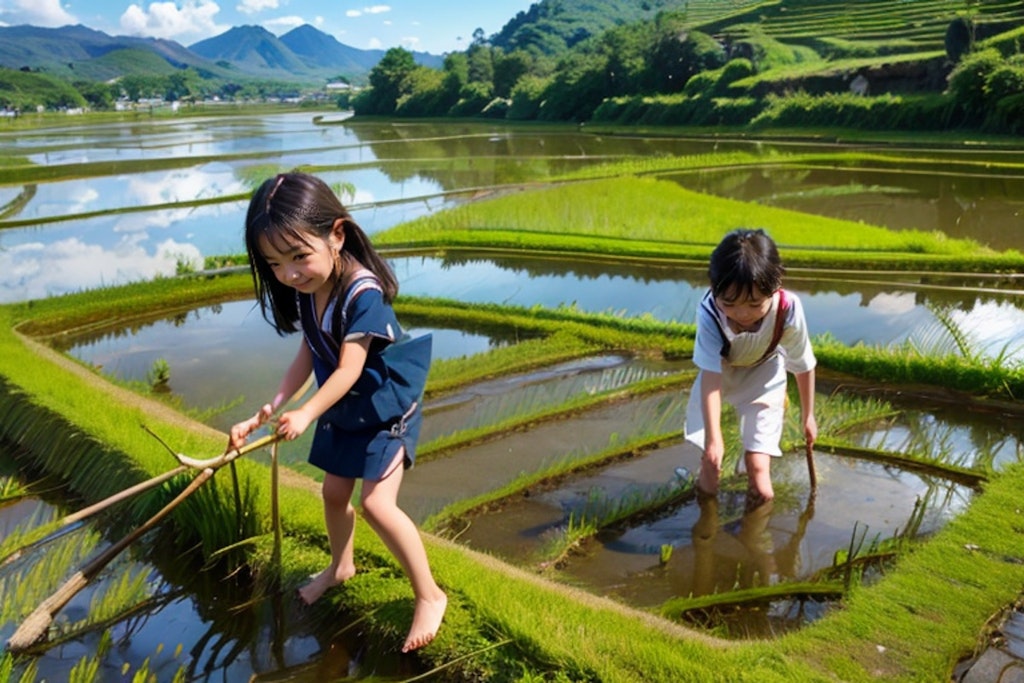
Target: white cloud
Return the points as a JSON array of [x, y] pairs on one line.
[[254, 6], [284, 23], [409, 42], [192, 21], [375, 9], [37, 270], [47, 13]]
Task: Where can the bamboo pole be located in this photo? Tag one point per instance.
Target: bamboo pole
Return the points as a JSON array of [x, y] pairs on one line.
[[84, 513], [36, 624], [811, 471]]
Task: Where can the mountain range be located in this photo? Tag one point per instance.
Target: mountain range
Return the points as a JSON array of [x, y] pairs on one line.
[[304, 54]]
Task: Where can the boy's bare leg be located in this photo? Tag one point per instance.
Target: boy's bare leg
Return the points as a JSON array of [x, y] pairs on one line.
[[759, 479]]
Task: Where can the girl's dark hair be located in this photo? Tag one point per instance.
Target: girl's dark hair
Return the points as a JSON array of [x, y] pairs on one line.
[[300, 206], [743, 260]]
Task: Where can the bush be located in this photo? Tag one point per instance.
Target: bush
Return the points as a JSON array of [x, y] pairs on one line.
[[1008, 115], [472, 99], [968, 79], [832, 110], [526, 98]]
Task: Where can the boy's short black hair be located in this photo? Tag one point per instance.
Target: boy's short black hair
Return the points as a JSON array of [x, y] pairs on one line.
[[745, 259]]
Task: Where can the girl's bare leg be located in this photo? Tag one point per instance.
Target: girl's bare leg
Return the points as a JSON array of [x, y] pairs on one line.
[[400, 535], [759, 479], [340, 518]]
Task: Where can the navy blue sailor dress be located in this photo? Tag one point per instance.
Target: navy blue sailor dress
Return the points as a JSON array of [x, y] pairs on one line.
[[360, 435]]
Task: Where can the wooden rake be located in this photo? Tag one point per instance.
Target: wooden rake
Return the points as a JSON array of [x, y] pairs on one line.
[[35, 626], [812, 473]]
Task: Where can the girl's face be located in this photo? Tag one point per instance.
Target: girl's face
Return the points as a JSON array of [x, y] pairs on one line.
[[308, 266], [744, 308]]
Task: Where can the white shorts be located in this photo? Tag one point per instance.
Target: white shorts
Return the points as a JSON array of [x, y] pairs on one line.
[[760, 421]]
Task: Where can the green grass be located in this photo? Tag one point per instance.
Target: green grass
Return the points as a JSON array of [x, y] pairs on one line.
[[642, 217], [926, 612]]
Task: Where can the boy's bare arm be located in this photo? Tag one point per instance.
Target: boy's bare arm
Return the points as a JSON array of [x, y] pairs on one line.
[[711, 407], [805, 386]]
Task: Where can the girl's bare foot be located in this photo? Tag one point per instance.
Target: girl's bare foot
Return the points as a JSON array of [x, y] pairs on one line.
[[426, 620], [327, 579]]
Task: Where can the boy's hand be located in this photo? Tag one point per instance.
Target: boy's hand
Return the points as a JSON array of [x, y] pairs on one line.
[[810, 430]]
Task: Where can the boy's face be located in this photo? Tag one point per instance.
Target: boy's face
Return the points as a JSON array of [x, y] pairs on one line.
[[744, 308]]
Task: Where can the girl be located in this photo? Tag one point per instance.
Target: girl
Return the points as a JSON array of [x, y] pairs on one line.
[[314, 269], [750, 332]]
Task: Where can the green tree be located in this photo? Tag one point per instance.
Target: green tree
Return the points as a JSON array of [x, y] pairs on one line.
[[679, 53], [579, 85], [627, 49], [424, 94], [389, 81], [481, 63], [456, 76], [527, 95], [508, 69], [97, 95], [183, 85]]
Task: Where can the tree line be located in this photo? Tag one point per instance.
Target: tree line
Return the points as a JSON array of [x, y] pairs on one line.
[[664, 73]]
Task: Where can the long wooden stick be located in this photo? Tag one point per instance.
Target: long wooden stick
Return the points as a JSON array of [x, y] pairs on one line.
[[811, 471], [224, 458], [84, 513], [35, 625], [185, 464]]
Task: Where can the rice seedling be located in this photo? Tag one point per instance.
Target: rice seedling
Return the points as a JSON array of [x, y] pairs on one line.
[[534, 398], [159, 376], [39, 526], [577, 217], [579, 403], [25, 584], [20, 671], [11, 490]]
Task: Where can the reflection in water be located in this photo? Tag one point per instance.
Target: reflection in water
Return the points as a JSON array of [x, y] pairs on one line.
[[233, 343], [960, 200], [189, 618], [35, 270], [743, 555], [223, 342]]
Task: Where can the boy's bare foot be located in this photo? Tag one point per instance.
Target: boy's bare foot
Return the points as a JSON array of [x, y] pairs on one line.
[[324, 581], [426, 620]]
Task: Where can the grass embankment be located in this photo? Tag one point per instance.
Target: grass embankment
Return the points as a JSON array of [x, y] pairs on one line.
[[912, 626], [646, 218]]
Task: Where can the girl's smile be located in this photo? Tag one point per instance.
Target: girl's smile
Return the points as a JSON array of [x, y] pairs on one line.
[[307, 267]]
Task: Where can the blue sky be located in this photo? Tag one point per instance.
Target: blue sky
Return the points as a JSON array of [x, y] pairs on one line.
[[436, 26]]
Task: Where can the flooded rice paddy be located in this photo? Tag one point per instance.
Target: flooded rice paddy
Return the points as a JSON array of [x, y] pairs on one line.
[[82, 232]]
